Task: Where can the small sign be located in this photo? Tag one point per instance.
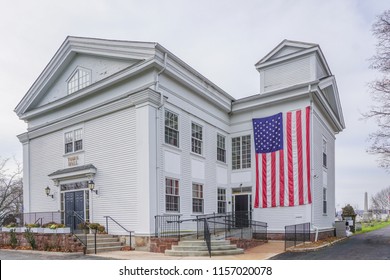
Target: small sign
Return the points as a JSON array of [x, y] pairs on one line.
[[73, 160]]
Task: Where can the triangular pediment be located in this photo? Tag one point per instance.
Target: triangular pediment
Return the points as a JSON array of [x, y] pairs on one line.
[[330, 93], [99, 58], [289, 50]]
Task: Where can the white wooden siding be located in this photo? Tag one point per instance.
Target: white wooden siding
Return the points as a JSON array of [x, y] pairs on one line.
[[287, 74], [321, 130], [110, 145], [46, 156]]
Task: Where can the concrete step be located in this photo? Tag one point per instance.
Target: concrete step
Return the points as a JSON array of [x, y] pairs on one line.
[[203, 243], [104, 249], [203, 253], [203, 248], [193, 248], [103, 245]]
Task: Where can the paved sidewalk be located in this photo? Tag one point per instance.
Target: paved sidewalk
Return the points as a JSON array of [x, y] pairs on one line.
[[262, 252]]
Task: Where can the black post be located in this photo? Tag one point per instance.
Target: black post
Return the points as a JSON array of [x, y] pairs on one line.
[[106, 224], [178, 223], [130, 239], [95, 241], [295, 235]]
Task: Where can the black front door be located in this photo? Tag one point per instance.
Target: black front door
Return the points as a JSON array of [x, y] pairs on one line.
[[74, 202], [242, 210]]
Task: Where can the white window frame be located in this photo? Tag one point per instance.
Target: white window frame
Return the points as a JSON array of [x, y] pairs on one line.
[[324, 200], [197, 198], [324, 152], [172, 191], [171, 128], [242, 159], [196, 141], [221, 148], [75, 82], [221, 200], [74, 139]]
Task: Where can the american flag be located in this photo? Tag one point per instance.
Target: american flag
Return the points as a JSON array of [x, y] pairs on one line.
[[282, 144]]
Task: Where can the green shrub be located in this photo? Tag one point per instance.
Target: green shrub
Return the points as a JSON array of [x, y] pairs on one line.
[[30, 238], [11, 225], [33, 225], [13, 239], [53, 225], [97, 226]]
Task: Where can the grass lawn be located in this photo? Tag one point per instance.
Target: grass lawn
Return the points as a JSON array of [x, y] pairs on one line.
[[367, 227]]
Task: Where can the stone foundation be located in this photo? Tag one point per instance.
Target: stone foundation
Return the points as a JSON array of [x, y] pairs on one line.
[[45, 242], [246, 243], [159, 245]]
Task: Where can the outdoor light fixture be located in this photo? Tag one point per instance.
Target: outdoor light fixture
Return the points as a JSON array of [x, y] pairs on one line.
[[47, 191], [91, 186]]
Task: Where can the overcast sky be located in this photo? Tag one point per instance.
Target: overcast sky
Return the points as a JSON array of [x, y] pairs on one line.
[[222, 40]]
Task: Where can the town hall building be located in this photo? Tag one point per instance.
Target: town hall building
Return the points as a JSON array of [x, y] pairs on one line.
[[156, 137]]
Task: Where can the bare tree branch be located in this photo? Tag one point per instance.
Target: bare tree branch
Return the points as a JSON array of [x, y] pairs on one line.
[[380, 92], [11, 190]]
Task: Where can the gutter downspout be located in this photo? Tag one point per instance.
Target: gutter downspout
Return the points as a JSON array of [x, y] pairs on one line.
[[162, 102]]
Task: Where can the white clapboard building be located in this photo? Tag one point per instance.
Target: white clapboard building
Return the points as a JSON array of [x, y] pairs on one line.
[[156, 137]]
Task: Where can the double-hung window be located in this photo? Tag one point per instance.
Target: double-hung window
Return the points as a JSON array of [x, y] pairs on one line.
[[196, 138], [241, 152], [172, 198], [324, 201], [171, 129], [74, 141], [197, 198], [324, 153], [221, 200], [221, 148]]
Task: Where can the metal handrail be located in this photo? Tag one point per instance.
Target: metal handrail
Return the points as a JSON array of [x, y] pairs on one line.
[[78, 216], [129, 231], [207, 236], [229, 220]]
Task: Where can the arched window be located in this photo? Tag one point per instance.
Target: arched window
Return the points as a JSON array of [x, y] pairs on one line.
[[80, 79]]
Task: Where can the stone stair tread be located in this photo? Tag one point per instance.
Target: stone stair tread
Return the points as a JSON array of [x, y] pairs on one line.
[[203, 248], [204, 253]]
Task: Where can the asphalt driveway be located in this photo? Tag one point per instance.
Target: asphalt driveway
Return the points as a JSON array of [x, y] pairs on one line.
[[374, 245]]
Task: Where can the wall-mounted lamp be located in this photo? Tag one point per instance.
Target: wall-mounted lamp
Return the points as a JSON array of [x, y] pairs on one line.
[[47, 191], [91, 186]]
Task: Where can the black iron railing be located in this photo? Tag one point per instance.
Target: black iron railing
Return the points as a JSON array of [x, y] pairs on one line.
[[207, 235], [128, 231], [296, 234], [232, 224], [40, 218], [167, 226]]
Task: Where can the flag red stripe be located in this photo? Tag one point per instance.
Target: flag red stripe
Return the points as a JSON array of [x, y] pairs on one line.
[[290, 161], [264, 182], [281, 174], [273, 179], [300, 155], [257, 182], [308, 153]]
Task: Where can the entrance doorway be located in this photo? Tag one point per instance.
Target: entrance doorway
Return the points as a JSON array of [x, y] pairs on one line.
[[242, 209], [74, 202]]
